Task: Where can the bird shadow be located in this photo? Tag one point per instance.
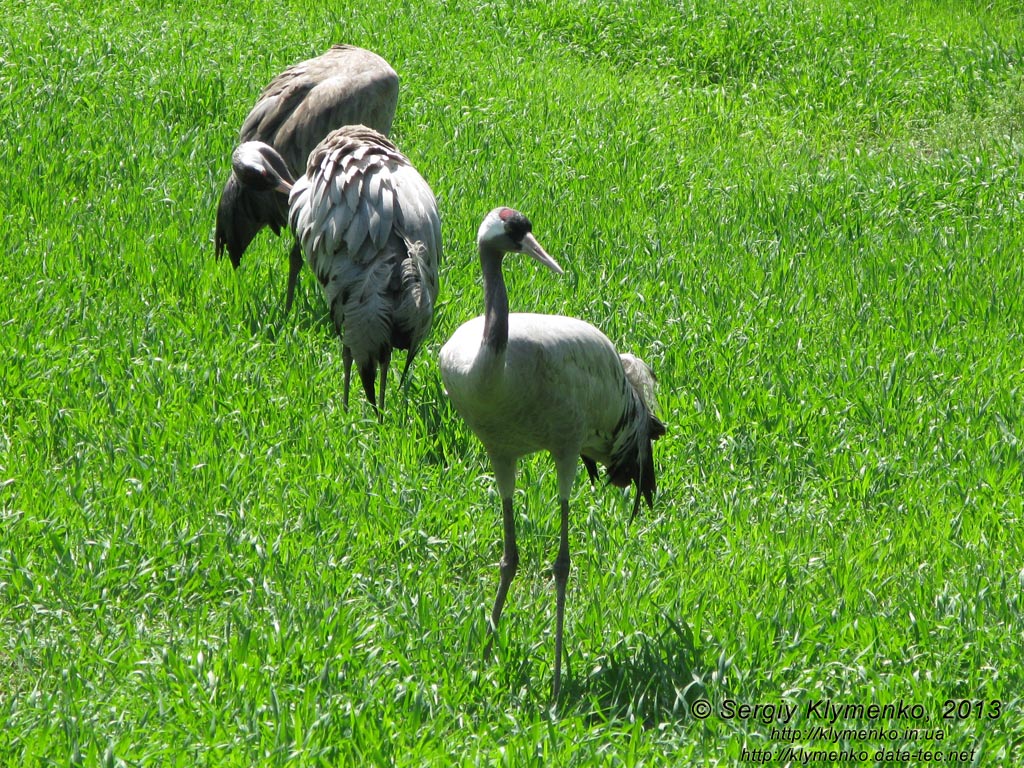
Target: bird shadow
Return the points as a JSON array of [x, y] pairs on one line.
[[651, 679]]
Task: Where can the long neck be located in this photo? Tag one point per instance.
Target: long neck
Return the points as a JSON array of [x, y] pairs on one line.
[[495, 301]]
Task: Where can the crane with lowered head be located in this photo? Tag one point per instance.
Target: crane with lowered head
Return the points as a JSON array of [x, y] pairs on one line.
[[345, 85]]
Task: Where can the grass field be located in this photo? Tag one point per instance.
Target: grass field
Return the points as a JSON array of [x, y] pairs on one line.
[[807, 215]]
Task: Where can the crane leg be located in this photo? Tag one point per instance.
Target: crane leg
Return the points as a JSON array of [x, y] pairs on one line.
[[385, 361], [294, 267], [561, 572], [507, 567], [346, 357]]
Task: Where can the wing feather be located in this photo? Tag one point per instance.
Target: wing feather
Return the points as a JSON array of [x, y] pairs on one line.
[[371, 231]]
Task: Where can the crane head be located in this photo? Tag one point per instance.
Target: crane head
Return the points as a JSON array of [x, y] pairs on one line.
[[259, 167], [506, 230]]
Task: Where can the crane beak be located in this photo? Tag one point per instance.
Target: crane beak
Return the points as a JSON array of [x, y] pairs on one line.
[[534, 249]]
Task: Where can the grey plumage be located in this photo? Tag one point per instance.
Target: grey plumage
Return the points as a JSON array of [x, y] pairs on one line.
[[527, 382], [344, 86], [369, 226]]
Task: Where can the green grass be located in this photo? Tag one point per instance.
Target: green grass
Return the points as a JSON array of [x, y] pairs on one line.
[[807, 215]]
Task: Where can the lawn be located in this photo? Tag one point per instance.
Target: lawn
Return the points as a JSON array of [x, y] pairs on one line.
[[806, 215]]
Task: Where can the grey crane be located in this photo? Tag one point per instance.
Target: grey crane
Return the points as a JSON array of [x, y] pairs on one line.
[[528, 382], [369, 227], [344, 86]]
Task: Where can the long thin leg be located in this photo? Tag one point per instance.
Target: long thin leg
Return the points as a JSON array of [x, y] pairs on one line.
[[294, 267], [561, 572], [385, 361], [346, 357], [507, 568]]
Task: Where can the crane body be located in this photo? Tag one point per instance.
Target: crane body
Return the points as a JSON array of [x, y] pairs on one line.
[[345, 85], [369, 227], [530, 382]]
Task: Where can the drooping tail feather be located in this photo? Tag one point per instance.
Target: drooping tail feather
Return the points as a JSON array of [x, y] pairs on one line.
[[633, 459], [414, 312]]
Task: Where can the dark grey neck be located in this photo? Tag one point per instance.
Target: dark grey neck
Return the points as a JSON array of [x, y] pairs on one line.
[[495, 301]]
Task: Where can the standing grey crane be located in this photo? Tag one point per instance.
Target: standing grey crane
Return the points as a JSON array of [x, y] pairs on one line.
[[344, 86], [526, 383], [369, 226]]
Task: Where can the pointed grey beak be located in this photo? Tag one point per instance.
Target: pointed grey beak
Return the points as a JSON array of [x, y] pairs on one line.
[[532, 248]]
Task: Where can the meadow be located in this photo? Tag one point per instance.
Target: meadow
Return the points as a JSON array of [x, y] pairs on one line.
[[806, 215]]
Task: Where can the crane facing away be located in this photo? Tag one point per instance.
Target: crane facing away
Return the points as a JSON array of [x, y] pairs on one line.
[[369, 227], [528, 382], [344, 86]]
